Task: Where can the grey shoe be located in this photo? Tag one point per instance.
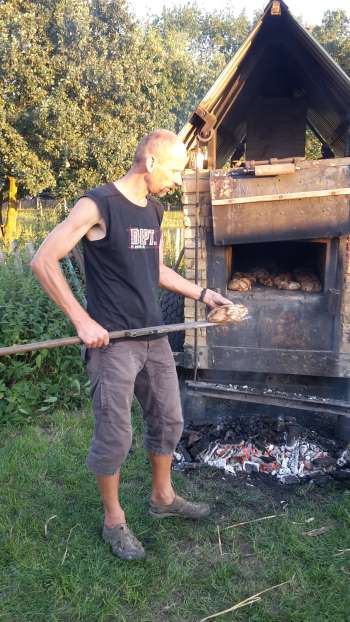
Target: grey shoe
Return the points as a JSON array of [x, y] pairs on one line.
[[180, 508], [124, 544]]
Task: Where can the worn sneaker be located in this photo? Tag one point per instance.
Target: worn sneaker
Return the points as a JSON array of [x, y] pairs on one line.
[[124, 544], [179, 507]]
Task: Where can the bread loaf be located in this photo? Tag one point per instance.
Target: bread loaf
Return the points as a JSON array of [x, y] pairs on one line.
[[240, 284]]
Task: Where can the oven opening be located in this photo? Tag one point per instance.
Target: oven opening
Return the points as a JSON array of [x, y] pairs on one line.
[[295, 266]]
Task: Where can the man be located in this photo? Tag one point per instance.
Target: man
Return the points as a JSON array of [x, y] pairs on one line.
[[120, 227]]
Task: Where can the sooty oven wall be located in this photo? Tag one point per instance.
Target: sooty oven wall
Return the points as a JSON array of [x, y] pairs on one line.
[[279, 318]]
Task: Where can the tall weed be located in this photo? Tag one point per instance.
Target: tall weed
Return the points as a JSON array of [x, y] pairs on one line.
[[35, 383]]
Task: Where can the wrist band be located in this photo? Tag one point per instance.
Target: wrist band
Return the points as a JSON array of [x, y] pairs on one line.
[[203, 292]]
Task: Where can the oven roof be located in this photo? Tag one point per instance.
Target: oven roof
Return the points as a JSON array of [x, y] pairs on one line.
[[278, 53]]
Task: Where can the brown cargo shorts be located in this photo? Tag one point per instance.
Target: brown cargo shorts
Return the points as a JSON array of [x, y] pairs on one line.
[[147, 369]]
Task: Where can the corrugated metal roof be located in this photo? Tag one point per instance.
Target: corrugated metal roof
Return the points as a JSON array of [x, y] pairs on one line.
[[276, 43]]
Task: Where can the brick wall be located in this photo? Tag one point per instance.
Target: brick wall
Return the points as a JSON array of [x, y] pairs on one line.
[[345, 303], [189, 208]]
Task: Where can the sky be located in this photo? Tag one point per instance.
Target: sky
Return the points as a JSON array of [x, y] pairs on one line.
[[310, 11]]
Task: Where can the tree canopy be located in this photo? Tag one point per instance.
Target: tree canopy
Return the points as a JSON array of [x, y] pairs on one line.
[[334, 35], [82, 80]]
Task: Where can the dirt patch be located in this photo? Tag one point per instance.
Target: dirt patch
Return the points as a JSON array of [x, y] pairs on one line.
[[255, 494]]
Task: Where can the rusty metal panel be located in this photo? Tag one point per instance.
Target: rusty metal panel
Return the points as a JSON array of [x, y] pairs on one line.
[[253, 394], [266, 221], [287, 332], [271, 316], [256, 360]]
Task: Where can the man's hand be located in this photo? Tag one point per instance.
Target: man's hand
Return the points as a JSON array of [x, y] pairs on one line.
[[213, 299], [93, 334]]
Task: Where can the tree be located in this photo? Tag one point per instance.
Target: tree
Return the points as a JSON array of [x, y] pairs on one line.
[[205, 42], [23, 82], [80, 83], [334, 35]]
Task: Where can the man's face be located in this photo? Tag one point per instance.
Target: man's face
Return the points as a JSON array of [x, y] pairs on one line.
[[166, 173]]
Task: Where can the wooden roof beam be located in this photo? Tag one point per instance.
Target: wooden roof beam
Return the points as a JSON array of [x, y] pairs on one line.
[[276, 8]]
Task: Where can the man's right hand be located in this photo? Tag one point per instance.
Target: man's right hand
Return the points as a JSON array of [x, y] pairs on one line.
[[93, 334]]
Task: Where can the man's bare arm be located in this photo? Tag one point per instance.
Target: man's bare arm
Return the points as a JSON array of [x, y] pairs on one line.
[[46, 268], [169, 279]]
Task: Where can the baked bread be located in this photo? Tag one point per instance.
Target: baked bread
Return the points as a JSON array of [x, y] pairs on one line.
[[240, 284], [226, 314]]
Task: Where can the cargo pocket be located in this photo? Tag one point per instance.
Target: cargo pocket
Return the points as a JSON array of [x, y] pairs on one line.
[[84, 353], [103, 396], [99, 396]]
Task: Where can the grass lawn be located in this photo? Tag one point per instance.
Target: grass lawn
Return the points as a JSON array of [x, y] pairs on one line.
[[70, 575]]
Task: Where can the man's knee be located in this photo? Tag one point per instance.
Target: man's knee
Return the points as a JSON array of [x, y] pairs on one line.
[[109, 451], [162, 436], [178, 427]]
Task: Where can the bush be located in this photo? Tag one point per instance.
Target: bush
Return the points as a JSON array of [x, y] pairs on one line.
[[35, 383]]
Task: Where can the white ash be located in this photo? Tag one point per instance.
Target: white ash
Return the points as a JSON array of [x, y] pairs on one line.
[[344, 459], [282, 461]]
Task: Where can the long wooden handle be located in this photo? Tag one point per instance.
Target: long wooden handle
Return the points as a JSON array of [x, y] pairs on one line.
[[117, 334]]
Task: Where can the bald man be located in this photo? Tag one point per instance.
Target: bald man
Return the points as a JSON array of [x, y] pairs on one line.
[[119, 224]]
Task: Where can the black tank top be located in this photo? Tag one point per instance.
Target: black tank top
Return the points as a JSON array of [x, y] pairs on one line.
[[122, 269]]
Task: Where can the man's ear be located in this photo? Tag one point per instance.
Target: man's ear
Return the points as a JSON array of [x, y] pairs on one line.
[[150, 162]]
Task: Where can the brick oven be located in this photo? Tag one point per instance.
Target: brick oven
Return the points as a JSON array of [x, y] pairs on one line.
[[269, 228], [293, 331]]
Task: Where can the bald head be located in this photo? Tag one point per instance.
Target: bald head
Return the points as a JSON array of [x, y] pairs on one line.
[[160, 159], [158, 143]]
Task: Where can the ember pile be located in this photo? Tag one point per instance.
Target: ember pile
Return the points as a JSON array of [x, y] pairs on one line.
[[279, 448], [287, 463], [298, 279]]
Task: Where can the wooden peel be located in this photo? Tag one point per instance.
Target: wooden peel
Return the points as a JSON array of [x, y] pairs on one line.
[[230, 315]]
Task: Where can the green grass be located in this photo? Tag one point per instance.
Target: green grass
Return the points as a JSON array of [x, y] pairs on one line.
[[33, 224], [70, 575], [173, 219], [29, 220]]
